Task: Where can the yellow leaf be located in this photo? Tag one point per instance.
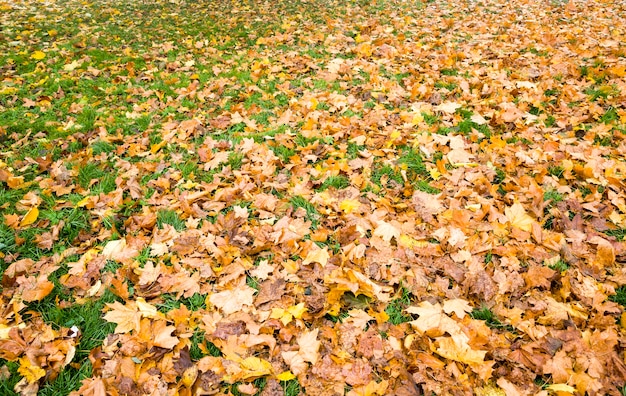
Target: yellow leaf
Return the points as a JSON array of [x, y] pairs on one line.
[[83, 202], [317, 256], [189, 376], [349, 205], [297, 310], [30, 217], [411, 243], [463, 353], [256, 367], [156, 147], [561, 388], [31, 373], [38, 55], [518, 217], [285, 376], [8, 90]]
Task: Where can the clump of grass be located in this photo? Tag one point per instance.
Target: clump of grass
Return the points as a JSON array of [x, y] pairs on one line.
[[491, 320], [559, 266], [337, 182], [89, 172], [619, 233], [552, 196], [383, 174], [395, 308], [312, 214], [619, 296], [170, 302], [556, 171], [166, 216]]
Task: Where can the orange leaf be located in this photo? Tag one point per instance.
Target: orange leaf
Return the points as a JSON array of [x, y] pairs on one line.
[[163, 337]]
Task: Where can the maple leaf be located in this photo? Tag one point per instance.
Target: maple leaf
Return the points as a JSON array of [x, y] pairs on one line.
[[317, 255], [448, 107], [30, 372], [309, 346], [432, 320], [126, 316], [163, 335], [386, 231], [459, 306], [517, 217], [450, 349], [230, 301]]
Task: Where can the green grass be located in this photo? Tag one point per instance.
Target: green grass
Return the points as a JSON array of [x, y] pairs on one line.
[[312, 214], [552, 196], [384, 174], [556, 171], [619, 296], [337, 182], [88, 172], [170, 302], [166, 216], [559, 266], [395, 308], [491, 320], [618, 233]]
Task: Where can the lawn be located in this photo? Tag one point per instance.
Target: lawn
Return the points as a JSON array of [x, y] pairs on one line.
[[318, 197]]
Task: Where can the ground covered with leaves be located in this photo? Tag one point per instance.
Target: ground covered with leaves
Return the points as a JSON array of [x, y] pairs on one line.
[[312, 196]]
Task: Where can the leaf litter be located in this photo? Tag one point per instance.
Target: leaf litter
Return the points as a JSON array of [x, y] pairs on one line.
[[359, 198]]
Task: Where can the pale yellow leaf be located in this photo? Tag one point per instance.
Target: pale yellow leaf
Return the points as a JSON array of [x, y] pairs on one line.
[[386, 231], [126, 316], [459, 306], [309, 346], [518, 217], [317, 256], [463, 353], [255, 367]]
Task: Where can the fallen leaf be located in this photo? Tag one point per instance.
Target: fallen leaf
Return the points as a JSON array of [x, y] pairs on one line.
[[30, 217]]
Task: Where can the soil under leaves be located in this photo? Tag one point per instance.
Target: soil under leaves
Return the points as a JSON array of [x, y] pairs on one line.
[[318, 197]]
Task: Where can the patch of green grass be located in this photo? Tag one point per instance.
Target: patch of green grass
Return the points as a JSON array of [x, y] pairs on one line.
[[69, 379], [559, 266], [618, 233], [610, 115], [491, 320], [291, 387], [556, 170], [170, 302], [312, 214], [7, 385], [197, 339], [253, 282], [383, 174], [449, 72], [166, 216], [619, 296], [603, 92], [423, 185], [395, 308], [412, 159], [337, 182], [235, 160], [553, 196], [89, 172]]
